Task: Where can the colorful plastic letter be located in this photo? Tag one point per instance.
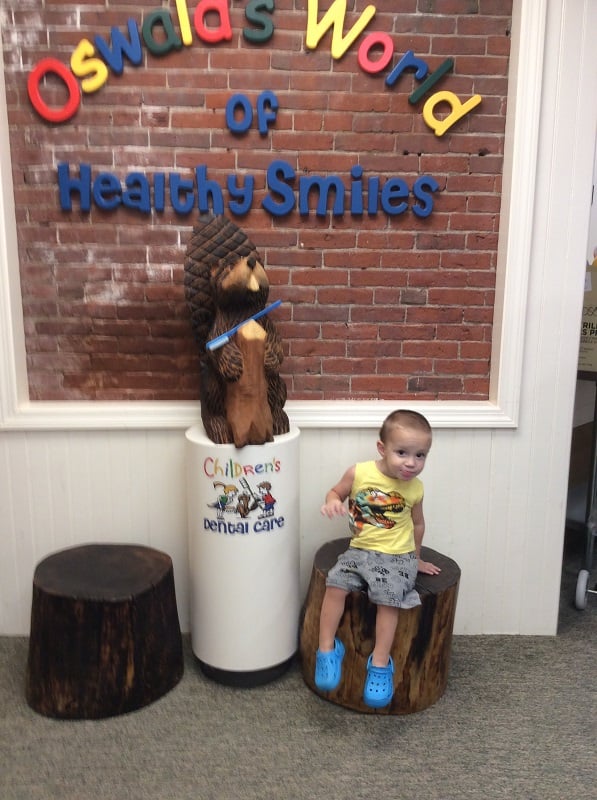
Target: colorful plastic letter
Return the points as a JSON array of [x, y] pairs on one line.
[[431, 80], [172, 40], [93, 70], [184, 22], [239, 101], [356, 190], [121, 46], [74, 92], [278, 173], [334, 18], [408, 61], [459, 110], [369, 42], [137, 194], [265, 117], [254, 13], [423, 191], [69, 186], [212, 35]]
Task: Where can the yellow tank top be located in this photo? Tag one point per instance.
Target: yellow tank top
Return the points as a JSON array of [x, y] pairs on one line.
[[380, 509]]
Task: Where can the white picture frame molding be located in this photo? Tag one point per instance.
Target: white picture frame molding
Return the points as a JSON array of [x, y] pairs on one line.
[[17, 412]]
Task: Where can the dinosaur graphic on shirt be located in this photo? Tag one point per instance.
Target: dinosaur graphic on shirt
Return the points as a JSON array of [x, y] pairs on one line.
[[370, 506]]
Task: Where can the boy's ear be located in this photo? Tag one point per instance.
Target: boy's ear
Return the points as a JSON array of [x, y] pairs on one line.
[[381, 448]]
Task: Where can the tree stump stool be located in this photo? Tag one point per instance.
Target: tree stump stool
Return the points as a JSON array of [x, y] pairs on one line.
[[105, 636], [422, 645]]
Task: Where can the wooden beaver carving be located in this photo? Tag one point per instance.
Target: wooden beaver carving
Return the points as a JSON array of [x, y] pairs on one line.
[[242, 394]]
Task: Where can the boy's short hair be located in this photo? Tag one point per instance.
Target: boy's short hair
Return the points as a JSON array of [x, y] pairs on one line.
[[406, 418]]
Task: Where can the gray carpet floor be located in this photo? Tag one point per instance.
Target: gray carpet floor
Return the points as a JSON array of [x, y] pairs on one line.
[[517, 721]]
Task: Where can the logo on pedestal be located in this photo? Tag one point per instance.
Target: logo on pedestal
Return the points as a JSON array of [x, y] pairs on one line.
[[243, 508]]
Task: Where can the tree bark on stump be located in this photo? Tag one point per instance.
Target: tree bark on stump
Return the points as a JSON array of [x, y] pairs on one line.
[[105, 636], [422, 645]]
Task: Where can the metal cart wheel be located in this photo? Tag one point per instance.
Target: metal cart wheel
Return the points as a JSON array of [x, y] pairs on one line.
[[582, 583], [581, 589]]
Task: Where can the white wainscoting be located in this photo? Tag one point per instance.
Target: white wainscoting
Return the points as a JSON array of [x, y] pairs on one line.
[[483, 508]]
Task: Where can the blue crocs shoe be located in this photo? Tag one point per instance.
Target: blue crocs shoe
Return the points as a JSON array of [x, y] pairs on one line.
[[328, 667], [379, 686]]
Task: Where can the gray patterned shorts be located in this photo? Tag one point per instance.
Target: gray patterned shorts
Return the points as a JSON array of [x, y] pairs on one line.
[[389, 579]]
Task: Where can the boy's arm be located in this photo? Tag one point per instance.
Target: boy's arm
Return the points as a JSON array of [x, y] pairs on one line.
[[419, 531], [334, 499]]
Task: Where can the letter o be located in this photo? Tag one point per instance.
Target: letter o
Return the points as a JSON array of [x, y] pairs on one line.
[[239, 101], [74, 92], [370, 41]]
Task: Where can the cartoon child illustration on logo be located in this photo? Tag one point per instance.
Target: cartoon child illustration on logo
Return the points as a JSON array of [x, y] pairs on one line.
[[226, 494], [268, 501]]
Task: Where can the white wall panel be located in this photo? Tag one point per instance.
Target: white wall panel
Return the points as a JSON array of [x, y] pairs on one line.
[[456, 510], [61, 489]]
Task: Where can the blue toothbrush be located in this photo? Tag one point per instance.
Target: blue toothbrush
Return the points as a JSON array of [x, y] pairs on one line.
[[221, 340]]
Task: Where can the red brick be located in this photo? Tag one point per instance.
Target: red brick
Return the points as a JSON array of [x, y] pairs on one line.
[[392, 299]]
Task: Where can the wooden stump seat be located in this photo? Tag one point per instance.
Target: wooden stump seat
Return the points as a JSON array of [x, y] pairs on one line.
[[105, 636], [422, 645]]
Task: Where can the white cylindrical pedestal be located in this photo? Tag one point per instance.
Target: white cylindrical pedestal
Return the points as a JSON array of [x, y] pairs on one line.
[[243, 519]]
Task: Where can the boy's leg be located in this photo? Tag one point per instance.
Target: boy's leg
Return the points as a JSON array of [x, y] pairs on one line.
[[328, 658], [379, 683], [332, 609], [385, 628]]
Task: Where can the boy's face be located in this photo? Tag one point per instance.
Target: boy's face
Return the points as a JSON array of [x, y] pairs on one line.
[[404, 452]]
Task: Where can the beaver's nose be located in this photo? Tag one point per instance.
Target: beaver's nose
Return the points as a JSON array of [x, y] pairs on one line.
[[251, 261]]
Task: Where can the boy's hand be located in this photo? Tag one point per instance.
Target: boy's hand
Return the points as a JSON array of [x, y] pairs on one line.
[[427, 568], [335, 508]]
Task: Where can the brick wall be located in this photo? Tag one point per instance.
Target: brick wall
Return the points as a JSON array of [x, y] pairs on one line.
[[376, 305]]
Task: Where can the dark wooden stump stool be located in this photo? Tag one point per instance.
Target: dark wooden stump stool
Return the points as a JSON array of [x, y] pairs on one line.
[[105, 636], [422, 645]]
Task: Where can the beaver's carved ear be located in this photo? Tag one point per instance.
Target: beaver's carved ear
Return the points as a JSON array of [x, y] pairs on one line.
[[215, 270], [222, 265]]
